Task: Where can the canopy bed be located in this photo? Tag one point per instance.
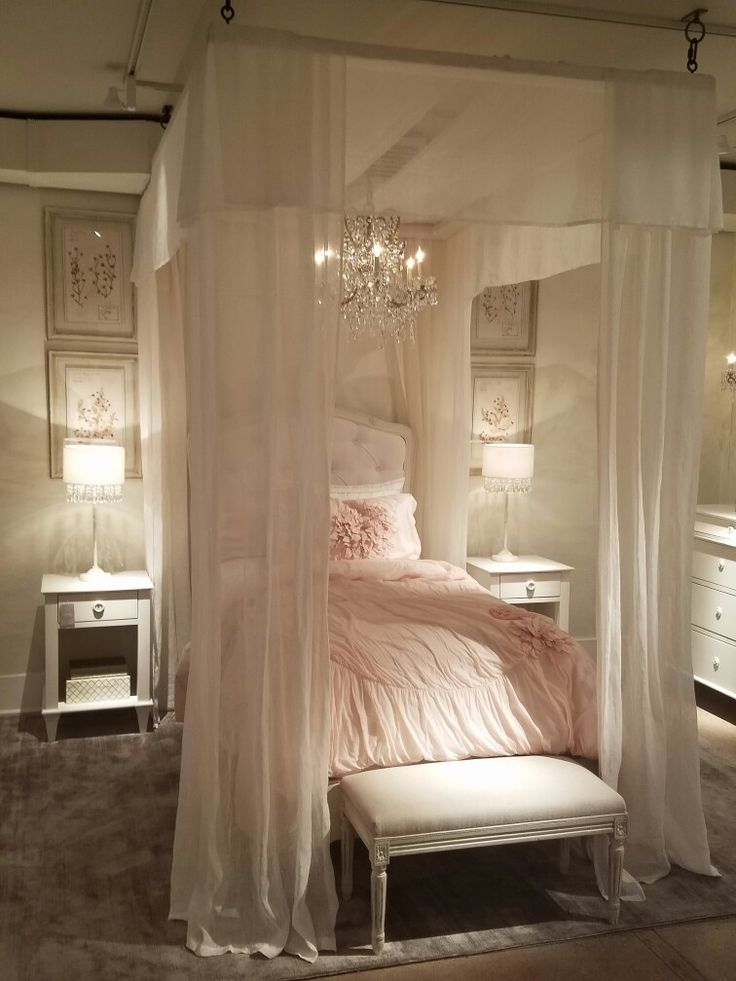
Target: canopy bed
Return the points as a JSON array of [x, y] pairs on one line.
[[424, 663], [519, 171]]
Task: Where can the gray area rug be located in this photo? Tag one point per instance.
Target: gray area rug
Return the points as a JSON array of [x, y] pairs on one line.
[[85, 849]]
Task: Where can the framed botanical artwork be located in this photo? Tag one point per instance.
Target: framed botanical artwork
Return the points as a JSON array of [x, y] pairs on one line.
[[88, 263], [94, 396], [504, 320], [502, 397]]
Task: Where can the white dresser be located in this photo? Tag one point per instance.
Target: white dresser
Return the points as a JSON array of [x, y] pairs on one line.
[[714, 598]]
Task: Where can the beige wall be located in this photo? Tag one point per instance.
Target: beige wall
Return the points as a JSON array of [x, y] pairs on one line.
[[557, 518], [718, 457], [39, 531]]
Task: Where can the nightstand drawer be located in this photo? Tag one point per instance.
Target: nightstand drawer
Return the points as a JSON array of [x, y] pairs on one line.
[[88, 608], [714, 610], [714, 563], [714, 661], [541, 585]]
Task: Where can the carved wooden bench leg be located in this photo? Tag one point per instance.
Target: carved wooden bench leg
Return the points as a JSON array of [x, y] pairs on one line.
[[564, 858], [379, 862], [615, 867], [347, 843]]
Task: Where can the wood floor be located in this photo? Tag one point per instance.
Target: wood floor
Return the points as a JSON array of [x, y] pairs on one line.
[[702, 951]]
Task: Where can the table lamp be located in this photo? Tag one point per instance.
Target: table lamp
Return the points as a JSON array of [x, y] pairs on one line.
[[93, 471], [507, 467]]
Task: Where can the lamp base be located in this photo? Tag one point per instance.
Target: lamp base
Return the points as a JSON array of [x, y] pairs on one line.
[[504, 556], [95, 574]]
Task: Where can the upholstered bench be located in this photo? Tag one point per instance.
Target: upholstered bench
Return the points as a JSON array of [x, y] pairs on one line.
[[432, 807]]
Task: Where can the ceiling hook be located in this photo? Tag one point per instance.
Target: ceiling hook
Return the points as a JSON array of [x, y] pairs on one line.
[[694, 33], [226, 11]]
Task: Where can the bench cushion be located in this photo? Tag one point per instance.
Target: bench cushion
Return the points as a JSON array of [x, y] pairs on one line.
[[478, 793]]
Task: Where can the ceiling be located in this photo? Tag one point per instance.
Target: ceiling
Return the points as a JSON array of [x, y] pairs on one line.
[[719, 12], [64, 56]]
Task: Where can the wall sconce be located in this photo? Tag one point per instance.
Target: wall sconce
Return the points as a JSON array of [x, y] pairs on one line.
[[728, 378]]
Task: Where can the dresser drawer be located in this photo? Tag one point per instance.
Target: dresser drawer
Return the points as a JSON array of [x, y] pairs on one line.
[[715, 563], [542, 585], [87, 608], [714, 610], [714, 661]]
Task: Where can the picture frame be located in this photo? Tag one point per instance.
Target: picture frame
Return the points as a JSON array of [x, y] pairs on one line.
[[502, 403], [89, 257], [94, 395], [504, 320]]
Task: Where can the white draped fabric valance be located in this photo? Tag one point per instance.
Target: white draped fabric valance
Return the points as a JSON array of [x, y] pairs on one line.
[[277, 137], [500, 142]]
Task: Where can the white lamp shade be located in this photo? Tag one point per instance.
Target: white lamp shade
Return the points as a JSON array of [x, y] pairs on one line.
[[93, 471], [508, 461]]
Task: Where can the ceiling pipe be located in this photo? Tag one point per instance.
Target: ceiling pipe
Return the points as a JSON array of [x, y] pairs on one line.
[[162, 117], [139, 36]]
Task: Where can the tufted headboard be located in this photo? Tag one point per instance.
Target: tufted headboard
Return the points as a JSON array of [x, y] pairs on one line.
[[366, 450]]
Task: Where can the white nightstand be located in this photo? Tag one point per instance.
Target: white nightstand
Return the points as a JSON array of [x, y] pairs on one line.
[[123, 600], [529, 581]]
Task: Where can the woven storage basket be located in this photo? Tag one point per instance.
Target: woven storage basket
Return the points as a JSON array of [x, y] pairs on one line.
[[97, 688], [95, 681]]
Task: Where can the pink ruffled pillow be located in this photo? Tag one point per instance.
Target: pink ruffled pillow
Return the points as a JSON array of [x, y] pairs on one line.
[[374, 528]]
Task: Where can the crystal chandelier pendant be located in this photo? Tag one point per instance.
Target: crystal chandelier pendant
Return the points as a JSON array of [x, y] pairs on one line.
[[382, 292]]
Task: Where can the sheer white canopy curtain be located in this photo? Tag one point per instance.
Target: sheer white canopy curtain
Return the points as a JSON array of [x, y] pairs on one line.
[[521, 171]]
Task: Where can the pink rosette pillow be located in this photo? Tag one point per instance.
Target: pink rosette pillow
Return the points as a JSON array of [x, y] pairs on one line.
[[374, 528]]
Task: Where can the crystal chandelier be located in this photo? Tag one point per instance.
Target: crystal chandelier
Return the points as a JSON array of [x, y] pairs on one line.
[[382, 292], [728, 376]]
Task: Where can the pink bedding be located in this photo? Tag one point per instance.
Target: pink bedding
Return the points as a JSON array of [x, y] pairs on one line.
[[427, 665]]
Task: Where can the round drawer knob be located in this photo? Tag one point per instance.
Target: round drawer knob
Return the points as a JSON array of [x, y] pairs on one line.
[[730, 530], [719, 613], [721, 565], [716, 663], [531, 586], [98, 609]]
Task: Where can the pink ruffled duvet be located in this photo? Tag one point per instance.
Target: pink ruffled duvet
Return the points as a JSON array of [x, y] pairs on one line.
[[427, 665]]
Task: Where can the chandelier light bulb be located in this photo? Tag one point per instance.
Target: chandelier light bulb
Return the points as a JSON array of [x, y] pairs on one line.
[[420, 255], [377, 249], [319, 256], [731, 358]]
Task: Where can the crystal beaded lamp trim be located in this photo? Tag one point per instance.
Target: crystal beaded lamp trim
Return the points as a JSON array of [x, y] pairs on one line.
[[512, 485], [94, 493]]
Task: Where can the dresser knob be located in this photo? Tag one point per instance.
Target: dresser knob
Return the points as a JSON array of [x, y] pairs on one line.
[[721, 565], [730, 530], [719, 613], [98, 609], [716, 663], [531, 586]]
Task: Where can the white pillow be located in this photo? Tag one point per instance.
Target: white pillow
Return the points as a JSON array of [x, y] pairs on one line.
[[374, 528], [357, 492]]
